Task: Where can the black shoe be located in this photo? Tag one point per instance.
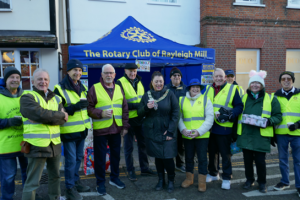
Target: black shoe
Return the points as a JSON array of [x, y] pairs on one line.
[[181, 168], [132, 175], [262, 188], [148, 172], [170, 186], [281, 186], [161, 182], [72, 194], [80, 187], [101, 190], [248, 184], [298, 190]]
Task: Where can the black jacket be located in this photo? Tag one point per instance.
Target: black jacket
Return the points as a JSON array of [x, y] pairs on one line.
[[179, 91], [156, 122], [136, 121], [65, 84]]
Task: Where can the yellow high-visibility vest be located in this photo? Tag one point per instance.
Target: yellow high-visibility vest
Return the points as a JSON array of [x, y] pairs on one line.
[[193, 116], [266, 112], [80, 120], [130, 94], [39, 134], [210, 92], [104, 102], [290, 110], [240, 90]]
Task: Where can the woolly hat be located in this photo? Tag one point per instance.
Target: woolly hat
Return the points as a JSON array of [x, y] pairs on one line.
[[175, 70], [288, 73], [257, 76], [74, 63], [9, 71]]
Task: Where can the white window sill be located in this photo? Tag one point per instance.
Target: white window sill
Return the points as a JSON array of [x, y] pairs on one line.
[[118, 1], [247, 4], [5, 10], [293, 7], [164, 4]]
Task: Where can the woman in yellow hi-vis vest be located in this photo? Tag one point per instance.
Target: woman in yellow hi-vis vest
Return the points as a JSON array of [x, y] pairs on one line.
[[197, 117], [255, 128]]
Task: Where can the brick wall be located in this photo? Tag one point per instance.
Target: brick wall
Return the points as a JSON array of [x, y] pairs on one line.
[[226, 28]]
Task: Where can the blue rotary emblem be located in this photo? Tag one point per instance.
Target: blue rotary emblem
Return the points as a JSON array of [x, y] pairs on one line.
[[137, 35]]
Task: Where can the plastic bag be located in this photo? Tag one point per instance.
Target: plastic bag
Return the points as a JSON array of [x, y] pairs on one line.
[[89, 161], [235, 149]]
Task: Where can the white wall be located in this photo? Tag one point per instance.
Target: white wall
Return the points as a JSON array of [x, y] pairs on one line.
[[30, 15], [49, 61], [92, 19]]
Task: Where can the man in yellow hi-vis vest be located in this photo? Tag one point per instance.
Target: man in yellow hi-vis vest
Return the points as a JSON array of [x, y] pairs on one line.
[[109, 110], [230, 78], [11, 132], [73, 132], [227, 107], [42, 115], [288, 131], [134, 90]]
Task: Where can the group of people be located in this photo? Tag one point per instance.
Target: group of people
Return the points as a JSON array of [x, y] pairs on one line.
[[172, 121]]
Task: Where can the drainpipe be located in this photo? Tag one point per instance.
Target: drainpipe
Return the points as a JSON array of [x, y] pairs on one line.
[[68, 22]]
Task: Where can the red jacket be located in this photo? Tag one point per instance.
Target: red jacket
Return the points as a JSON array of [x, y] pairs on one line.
[[97, 113]]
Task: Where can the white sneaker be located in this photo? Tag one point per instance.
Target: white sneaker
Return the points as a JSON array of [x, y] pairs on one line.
[[226, 185], [210, 178]]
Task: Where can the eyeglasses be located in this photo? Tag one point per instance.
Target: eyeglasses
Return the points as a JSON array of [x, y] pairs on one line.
[[106, 73], [286, 79], [176, 75]]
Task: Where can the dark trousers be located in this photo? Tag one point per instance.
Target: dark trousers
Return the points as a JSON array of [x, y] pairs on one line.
[[260, 162], [100, 146], [219, 144], [180, 150], [199, 146], [168, 164], [128, 148]]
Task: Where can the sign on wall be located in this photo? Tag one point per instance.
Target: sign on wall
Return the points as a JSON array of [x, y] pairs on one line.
[[85, 71], [207, 74], [143, 65]]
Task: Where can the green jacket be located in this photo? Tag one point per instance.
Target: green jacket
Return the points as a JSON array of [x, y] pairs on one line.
[[251, 138]]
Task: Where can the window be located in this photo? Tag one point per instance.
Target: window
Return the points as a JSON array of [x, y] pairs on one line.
[[293, 4], [5, 5], [164, 2], [26, 61], [293, 64], [256, 3], [246, 60]]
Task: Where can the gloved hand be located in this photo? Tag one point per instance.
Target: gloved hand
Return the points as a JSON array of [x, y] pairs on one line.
[[273, 141], [223, 118], [268, 123], [14, 121], [294, 126], [224, 111], [80, 104]]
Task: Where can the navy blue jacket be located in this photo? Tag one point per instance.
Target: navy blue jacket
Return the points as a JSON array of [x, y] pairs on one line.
[[179, 91]]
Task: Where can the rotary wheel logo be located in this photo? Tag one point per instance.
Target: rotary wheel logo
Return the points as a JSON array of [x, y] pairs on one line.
[[137, 35]]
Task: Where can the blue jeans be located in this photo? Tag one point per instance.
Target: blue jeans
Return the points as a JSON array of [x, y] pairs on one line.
[[100, 148], [73, 152], [283, 154], [128, 148], [8, 172]]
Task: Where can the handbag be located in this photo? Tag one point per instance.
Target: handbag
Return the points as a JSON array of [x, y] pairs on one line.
[[25, 147]]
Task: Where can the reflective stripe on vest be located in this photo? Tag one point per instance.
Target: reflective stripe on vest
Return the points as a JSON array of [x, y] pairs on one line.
[[210, 92], [130, 94], [290, 110], [224, 99], [80, 120], [266, 112], [104, 102], [39, 134], [193, 116]]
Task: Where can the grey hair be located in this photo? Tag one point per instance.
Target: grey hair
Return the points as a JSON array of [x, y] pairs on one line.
[[40, 70], [106, 66], [217, 70]]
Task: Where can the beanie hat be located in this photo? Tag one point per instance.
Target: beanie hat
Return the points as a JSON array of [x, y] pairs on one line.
[[175, 70], [9, 71], [74, 63], [288, 73], [257, 76]]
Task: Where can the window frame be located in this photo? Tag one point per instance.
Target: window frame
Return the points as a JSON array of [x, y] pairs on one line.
[[151, 2], [18, 63], [295, 72], [293, 6], [258, 3], [7, 9]]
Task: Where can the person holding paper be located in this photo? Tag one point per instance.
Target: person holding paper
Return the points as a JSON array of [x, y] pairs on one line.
[[11, 132], [254, 135], [73, 132], [196, 119], [160, 108], [109, 110], [288, 131], [134, 90]]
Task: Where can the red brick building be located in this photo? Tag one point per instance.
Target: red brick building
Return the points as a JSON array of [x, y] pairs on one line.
[[253, 34]]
